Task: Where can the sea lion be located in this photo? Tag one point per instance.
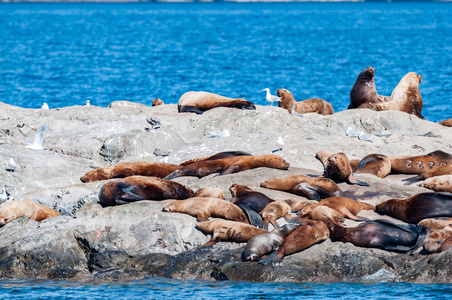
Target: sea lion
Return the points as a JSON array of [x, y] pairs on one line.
[[157, 102], [337, 167], [418, 207], [381, 234], [309, 187], [364, 90], [230, 165], [205, 207], [346, 206], [229, 231], [446, 245], [135, 188], [199, 102], [251, 202], [13, 209], [306, 235], [273, 211], [422, 164], [266, 243], [441, 183], [405, 97], [435, 224], [216, 156], [297, 205], [434, 240], [125, 169], [313, 105], [375, 164], [214, 192], [447, 123], [325, 214]]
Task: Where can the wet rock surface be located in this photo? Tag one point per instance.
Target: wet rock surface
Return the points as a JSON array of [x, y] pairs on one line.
[[137, 240]]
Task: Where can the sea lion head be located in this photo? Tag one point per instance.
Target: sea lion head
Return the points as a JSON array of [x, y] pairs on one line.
[[277, 162], [367, 74], [157, 102], [435, 239], [95, 175], [170, 206], [271, 183], [235, 189], [338, 166]]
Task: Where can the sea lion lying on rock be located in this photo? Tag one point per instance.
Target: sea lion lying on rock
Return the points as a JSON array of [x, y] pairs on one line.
[[434, 240], [447, 123], [435, 224], [313, 105], [346, 206], [13, 209], [273, 211], [364, 90], [219, 155], [199, 102], [325, 214], [135, 188], [426, 165], [337, 167], [230, 165], [214, 192], [441, 183]]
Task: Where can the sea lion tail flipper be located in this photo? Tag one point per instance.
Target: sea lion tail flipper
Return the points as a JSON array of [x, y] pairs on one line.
[[357, 182], [175, 174], [129, 192], [412, 180], [306, 190], [269, 260], [423, 234], [254, 218], [184, 108], [296, 221]]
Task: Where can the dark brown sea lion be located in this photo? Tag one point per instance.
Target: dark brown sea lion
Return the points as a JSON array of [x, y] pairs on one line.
[[266, 243], [135, 188], [214, 192], [229, 231], [13, 209], [216, 156], [325, 214], [199, 102], [364, 90], [157, 102], [382, 234], [230, 165], [337, 167], [309, 187], [309, 232], [376, 164], [313, 105], [441, 183], [273, 211], [418, 207], [447, 123], [434, 240], [349, 208], [405, 97], [420, 164], [125, 169], [205, 207], [251, 202]]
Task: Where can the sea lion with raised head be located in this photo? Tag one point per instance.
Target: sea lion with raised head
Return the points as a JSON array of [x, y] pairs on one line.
[[273, 211], [219, 155], [309, 187], [364, 90], [313, 105], [418, 207], [125, 169], [266, 243], [338, 167], [136, 188], [205, 207], [229, 231], [157, 102], [382, 234], [13, 209], [230, 165], [199, 102]]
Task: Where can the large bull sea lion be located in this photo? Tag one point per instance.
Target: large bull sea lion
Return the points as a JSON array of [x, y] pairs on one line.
[[364, 90], [219, 155]]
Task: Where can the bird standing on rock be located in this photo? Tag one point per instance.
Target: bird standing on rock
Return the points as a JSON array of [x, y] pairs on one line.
[[271, 98], [11, 165]]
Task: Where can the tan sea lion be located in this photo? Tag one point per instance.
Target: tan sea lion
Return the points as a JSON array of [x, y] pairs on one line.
[[229, 231], [420, 164], [125, 169], [364, 90], [338, 167], [309, 232], [309, 187], [216, 156], [349, 208], [405, 97], [325, 214], [313, 105], [434, 240], [266, 243], [446, 245], [297, 205], [418, 207], [435, 224], [375, 164], [205, 207], [447, 123], [441, 183], [135, 188], [157, 102], [230, 165], [214, 192], [13, 209], [273, 211], [199, 102]]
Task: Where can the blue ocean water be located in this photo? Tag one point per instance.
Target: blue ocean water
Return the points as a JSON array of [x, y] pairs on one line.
[[64, 54], [162, 288]]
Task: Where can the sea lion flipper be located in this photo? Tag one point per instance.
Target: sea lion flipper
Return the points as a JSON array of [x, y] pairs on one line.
[[412, 180], [128, 192], [185, 108], [231, 169], [357, 182], [399, 226], [254, 218], [306, 190], [269, 260]]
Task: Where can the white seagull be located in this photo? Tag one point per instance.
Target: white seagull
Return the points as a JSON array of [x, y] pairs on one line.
[[11, 165], [280, 144], [352, 132], [271, 98], [3, 195], [45, 106], [87, 103], [39, 137]]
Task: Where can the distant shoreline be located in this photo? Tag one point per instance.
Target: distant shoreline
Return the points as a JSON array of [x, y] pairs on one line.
[[207, 1]]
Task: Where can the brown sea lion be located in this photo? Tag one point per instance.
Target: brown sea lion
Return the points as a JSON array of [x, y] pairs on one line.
[[309, 233], [313, 105], [418, 207], [199, 102], [230, 165], [229, 231], [125, 169], [273, 211], [309, 187], [405, 97], [375, 164], [325, 214], [205, 207], [13, 209], [446, 245], [266, 243], [214, 192], [421, 164], [364, 90], [434, 240], [435, 224], [216, 156], [251, 202], [441, 183], [297, 205], [447, 123], [338, 167], [382, 234], [349, 208], [157, 102], [135, 188]]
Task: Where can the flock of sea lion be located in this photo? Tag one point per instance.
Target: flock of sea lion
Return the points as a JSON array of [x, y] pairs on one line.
[[248, 215]]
